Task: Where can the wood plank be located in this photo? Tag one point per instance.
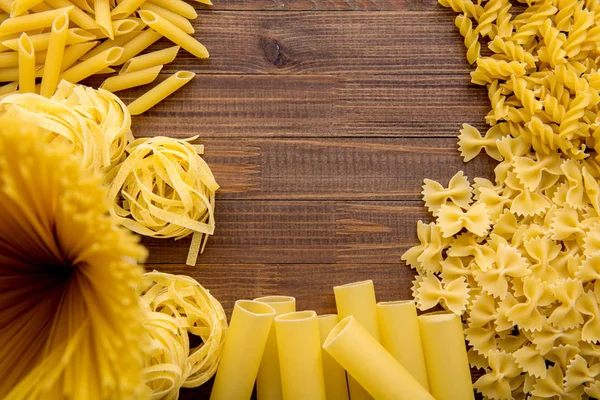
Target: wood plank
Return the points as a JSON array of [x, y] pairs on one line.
[[315, 106], [320, 5], [327, 43], [302, 232], [335, 169]]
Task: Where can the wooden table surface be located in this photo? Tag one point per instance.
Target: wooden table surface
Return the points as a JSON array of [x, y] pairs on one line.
[[320, 118]]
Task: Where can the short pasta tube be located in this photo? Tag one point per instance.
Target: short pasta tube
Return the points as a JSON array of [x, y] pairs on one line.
[[131, 79], [160, 57], [351, 345], [56, 47], [26, 65], [300, 362], [268, 380], [159, 92], [92, 65], [32, 21], [243, 349]]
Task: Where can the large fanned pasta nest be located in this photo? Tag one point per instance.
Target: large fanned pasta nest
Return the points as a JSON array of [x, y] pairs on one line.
[[70, 321], [519, 257]]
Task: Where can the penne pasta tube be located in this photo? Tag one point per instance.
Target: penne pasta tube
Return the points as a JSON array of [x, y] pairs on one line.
[[91, 66], [300, 361], [83, 5], [74, 53], [160, 57], [177, 6], [137, 44], [5, 5], [8, 88], [174, 34], [11, 58], [32, 21], [42, 41], [26, 65], [56, 47], [120, 28], [132, 79], [119, 41], [399, 331], [160, 92], [242, 351], [336, 385], [20, 7], [446, 356], [125, 8], [358, 299], [174, 18], [268, 380], [351, 345], [103, 18], [77, 15]]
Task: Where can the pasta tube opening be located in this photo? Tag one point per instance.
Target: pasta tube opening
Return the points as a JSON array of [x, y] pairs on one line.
[[297, 316], [255, 308], [124, 26], [276, 299], [337, 331]]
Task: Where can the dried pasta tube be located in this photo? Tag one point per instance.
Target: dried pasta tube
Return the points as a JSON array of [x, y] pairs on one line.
[[351, 345], [137, 44], [399, 330], [56, 47], [92, 65], [446, 356], [74, 52], [177, 6], [132, 79], [26, 65], [336, 385], [179, 21], [125, 8], [41, 41], [173, 33], [77, 15], [358, 299], [20, 7], [160, 57], [268, 380], [158, 93], [300, 361], [102, 12], [243, 349], [32, 21], [119, 41]]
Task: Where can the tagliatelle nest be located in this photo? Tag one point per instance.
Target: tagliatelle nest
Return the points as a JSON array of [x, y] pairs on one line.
[[178, 307], [70, 321], [95, 124], [164, 189]]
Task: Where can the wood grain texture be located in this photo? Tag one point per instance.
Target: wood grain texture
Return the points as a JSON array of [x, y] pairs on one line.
[[327, 43], [321, 5], [253, 106], [335, 169]]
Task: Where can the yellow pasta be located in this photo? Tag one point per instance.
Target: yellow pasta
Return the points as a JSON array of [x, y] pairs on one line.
[[173, 33], [165, 189], [358, 299], [26, 65], [177, 6], [174, 18], [300, 362], [268, 380], [74, 52], [103, 19], [400, 335], [56, 47], [76, 15], [160, 57], [119, 41], [179, 308], [32, 21], [132, 79], [370, 364], [243, 349], [9, 88], [137, 44], [42, 41], [92, 65], [336, 385], [5, 6], [20, 7], [446, 356], [125, 8], [159, 92]]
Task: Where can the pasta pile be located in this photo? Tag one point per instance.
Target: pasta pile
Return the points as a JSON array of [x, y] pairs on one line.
[[519, 258], [164, 189], [70, 321], [177, 306], [87, 38]]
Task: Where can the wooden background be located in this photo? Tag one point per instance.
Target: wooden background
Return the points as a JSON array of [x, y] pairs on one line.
[[320, 118]]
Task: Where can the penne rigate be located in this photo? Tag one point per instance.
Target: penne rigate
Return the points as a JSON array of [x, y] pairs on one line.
[[131, 79], [160, 92], [138, 44]]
